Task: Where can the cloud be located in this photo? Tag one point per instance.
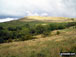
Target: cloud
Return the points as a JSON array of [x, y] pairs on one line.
[[44, 14], [7, 19], [19, 8], [31, 14], [36, 14]]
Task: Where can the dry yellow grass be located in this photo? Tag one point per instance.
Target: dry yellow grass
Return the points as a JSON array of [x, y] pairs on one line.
[[46, 19], [48, 46]]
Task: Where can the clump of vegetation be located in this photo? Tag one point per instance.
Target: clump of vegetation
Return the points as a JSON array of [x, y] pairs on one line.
[[72, 19], [2, 40], [58, 32], [9, 40], [18, 30], [27, 37], [70, 24], [45, 34], [41, 55], [40, 29]]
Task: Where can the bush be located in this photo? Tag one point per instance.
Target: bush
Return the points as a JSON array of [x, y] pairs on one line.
[[9, 40], [1, 28], [11, 28], [1, 40], [27, 37], [45, 34], [32, 31], [72, 19], [57, 33], [61, 26], [27, 25], [53, 27], [40, 29], [71, 24]]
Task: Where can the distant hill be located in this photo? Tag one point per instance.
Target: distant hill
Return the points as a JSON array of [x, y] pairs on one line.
[[46, 19]]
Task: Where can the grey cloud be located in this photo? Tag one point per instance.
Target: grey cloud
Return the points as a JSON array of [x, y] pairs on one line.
[[60, 8]]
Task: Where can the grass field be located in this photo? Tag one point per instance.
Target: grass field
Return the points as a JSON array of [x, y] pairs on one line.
[[50, 46], [46, 19], [63, 40]]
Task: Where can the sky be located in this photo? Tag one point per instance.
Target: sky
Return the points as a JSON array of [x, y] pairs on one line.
[[7, 19], [21, 8]]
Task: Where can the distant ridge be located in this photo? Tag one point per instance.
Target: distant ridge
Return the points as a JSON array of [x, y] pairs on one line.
[[45, 19]]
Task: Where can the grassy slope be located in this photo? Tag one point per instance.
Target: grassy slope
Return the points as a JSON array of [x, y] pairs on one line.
[[43, 47], [46, 19]]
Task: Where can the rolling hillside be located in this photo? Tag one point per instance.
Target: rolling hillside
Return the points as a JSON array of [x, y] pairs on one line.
[[50, 46], [46, 19], [36, 36]]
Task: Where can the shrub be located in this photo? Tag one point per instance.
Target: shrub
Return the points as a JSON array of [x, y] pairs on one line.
[[32, 31], [57, 33], [27, 25], [1, 40], [9, 40], [71, 24], [18, 28], [53, 26], [1, 28], [72, 19], [61, 26], [27, 37], [40, 29], [45, 34], [11, 28]]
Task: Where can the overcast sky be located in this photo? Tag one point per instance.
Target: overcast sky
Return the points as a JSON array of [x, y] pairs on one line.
[[21, 8]]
